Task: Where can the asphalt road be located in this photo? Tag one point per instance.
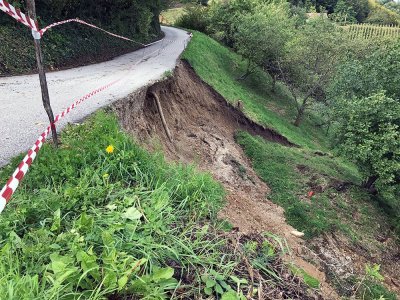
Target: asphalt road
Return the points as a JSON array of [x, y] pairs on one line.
[[23, 117]]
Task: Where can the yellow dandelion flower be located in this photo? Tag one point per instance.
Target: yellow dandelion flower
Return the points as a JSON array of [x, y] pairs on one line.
[[110, 149], [106, 175]]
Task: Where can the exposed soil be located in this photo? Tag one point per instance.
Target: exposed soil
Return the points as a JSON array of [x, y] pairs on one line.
[[343, 258], [203, 124]]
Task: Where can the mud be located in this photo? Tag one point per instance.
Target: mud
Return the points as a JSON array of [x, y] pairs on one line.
[[203, 125]]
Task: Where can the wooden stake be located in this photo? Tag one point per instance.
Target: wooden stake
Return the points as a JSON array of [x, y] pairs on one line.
[[42, 75]]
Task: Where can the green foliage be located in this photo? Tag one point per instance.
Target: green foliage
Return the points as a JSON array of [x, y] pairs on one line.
[[72, 44], [376, 291], [194, 17], [371, 72], [344, 13], [119, 222], [308, 75], [370, 287], [261, 36], [379, 14], [373, 272], [225, 16], [361, 8], [393, 6], [215, 284], [368, 132], [106, 223], [308, 279]]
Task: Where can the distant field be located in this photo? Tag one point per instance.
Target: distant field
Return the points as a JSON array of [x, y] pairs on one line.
[[170, 16], [371, 31]]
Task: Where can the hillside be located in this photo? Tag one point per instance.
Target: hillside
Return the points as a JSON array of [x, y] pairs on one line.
[[199, 185], [339, 219], [72, 45]]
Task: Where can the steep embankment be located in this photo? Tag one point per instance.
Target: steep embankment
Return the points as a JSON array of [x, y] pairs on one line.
[[347, 227], [202, 126], [338, 218]]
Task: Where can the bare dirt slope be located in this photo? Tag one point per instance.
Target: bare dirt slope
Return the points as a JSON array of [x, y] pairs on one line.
[[202, 126]]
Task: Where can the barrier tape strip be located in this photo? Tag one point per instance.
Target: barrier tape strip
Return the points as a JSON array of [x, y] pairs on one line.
[[18, 15], [14, 181], [27, 21], [42, 31]]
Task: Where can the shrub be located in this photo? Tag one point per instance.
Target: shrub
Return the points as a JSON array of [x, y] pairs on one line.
[[195, 18]]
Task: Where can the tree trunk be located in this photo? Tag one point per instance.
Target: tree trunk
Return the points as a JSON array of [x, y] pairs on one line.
[[369, 184], [274, 83], [249, 71], [299, 118]]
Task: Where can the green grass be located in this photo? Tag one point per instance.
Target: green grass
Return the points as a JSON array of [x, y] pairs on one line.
[[87, 224], [291, 173], [270, 109]]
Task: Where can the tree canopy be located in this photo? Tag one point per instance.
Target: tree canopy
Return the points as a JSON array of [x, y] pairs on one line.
[[368, 132]]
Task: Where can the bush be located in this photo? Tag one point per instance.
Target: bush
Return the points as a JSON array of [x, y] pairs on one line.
[[195, 18]]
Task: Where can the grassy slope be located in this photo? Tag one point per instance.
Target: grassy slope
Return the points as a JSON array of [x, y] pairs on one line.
[[89, 224], [292, 172], [222, 69]]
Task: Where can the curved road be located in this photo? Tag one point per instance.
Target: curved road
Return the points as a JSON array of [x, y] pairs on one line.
[[23, 117]]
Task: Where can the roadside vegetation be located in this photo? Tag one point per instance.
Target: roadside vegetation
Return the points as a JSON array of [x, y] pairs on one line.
[[73, 45], [100, 218]]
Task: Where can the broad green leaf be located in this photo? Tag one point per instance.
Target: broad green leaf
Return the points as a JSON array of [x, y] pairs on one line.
[[56, 220], [89, 264], [230, 295], [85, 222], [132, 214], [110, 279], [108, 239], [210, 283], [163, 273], [122, 282], [218, 289], [208, 291]]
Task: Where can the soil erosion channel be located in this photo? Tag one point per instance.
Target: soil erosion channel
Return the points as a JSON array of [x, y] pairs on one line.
[[202, 127]]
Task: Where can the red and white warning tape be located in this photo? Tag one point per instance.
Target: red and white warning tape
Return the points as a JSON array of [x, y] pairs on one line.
[[18, 15], [43, 31], [14, 181], [87, 24], [12, 184]]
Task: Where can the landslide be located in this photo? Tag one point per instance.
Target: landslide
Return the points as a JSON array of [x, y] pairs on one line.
[[203, 125]]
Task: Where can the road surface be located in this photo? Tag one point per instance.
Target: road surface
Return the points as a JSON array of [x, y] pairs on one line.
[[23, 117]]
